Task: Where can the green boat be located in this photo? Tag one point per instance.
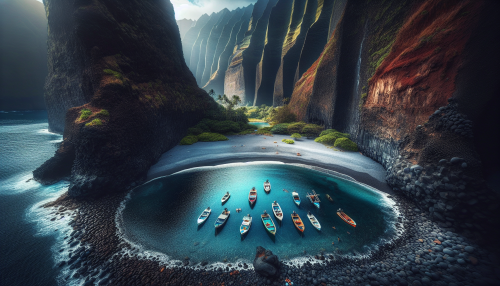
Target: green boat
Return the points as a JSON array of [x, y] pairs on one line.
[[268, 223]]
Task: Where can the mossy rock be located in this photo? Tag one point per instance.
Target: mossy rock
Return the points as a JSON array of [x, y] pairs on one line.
[[195, 131], [281, 128], [94, 122], [211, 137], [189, 140], [296, 136], [296, 127], [288, 141], [312, 130], [329, 139], [346, 144], [104, 112]]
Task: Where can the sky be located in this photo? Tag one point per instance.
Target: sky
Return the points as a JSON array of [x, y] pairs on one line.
[[193, 9]]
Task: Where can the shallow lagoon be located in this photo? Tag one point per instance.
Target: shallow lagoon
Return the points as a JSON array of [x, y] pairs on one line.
[[161, 215]]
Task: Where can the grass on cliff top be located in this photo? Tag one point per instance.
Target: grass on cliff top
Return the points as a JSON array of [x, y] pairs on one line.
[[104, 112], [94, 122], [85, 113], [113, 73]]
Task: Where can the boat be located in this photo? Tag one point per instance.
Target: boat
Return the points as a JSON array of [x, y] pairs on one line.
[[267, 186], [345, 217], [225, 197], [204, 215], [268, 223], [278, 213], [245, 225], [252, 197], [296, 198], [329, 198], [222, 219], [298, 222], [314, 221], [314, 198]]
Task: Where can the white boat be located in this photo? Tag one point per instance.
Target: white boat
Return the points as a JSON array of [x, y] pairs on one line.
[[278, 213], [296, 198], [225, 197], [314, 221], [267, 186], [204, 215], [314, 198], [222, 219], [245, 225]]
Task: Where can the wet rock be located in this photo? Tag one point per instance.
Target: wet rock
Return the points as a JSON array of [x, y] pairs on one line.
[[266, 263]]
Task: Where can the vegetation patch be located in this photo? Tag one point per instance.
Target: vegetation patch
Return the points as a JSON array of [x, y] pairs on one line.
[[288, 141], [104, 112], [296, 127], [346, 144], [211, 137], [85, 113], [296, 136], [281, 128], [312, 130], [264, 131], [113, 73], [189, 140], [94, 122]]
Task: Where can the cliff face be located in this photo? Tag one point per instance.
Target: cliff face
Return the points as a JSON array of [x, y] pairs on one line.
[[184, 26], [120, 64], [410, 81], [23, 54]]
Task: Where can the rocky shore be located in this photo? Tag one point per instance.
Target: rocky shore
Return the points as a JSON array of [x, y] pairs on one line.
[[426, 253]]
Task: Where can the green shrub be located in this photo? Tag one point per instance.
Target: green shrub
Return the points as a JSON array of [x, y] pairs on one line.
[[288, 141], [327, 131], [94, 122], [346, 144], [327, 139], [246, 126], [264, 131], [281, 128], [224, 126], [296, 127], [189, 140], [312, 130], [211, 137], [194, 131], [283, 114], [85, 113], [104, 112], [296, 136]]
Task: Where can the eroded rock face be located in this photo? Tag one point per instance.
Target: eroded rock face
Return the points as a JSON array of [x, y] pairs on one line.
[[141, 95], [184, 26], [266, 263], [190, 37]]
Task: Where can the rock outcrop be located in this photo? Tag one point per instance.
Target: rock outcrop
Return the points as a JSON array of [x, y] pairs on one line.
[[122, 62], [190, 37], [266, 263], [184, 26], [393, 76], [23, 55]]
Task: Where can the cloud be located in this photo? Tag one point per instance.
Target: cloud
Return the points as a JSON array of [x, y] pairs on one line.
[[193, 9]]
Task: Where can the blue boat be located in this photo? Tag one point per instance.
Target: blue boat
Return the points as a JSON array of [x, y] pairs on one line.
[[222, 219], [268, 223], [296, 198], [314, 198]]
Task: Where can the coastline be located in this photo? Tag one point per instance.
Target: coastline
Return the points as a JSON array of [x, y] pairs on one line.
[[100, 256]]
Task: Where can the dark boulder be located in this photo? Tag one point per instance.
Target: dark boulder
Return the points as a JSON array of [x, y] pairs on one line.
[[266, 263]]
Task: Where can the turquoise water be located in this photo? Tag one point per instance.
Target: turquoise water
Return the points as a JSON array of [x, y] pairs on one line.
[[260, 124], [161, 215]]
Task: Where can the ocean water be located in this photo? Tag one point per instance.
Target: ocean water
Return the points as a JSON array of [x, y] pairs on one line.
[[161, 215], [27, 238]]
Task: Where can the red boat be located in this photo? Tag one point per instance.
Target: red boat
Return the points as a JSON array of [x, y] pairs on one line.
[[252, 197], [346, 218]]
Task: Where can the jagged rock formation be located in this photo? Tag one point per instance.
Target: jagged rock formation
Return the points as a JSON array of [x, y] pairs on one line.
[[219, 66], [23, 54], [386, 75], [190, 37], [123, 62], [184, 26]]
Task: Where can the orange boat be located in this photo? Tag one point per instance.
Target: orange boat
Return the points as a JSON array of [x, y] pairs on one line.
[[297, 222], [346, 218]]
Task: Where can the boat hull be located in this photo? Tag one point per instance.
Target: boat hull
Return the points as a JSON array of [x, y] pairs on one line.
[[299, 225], [351, 223], [271, 228]]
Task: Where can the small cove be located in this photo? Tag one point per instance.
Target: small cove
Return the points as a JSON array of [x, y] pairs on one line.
[[160, 216]]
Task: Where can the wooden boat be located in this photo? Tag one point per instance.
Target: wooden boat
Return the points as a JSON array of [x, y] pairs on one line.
[[329, 198], [346, 218], [252, 197], [267, 186], [225, 197], [296, 198], [278, 213], [298, 222], [222, 219], [204, 215], [314, 198], [268, 223], [314, 221], [245, 225]]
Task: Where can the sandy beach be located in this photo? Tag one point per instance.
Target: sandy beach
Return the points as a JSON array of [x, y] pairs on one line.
[[247, 148]]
